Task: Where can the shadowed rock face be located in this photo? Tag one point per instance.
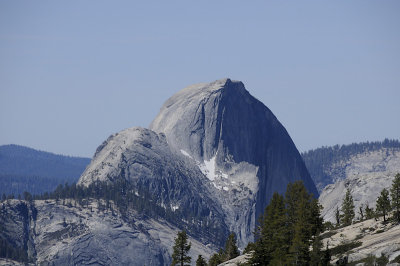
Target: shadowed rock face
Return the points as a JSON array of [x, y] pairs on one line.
[[222, 119], [214, 152]]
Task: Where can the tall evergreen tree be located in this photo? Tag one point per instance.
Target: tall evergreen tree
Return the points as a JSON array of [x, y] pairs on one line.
[[337, 216], [383, 204], [201, 261], [216, 258], [347, 208], [287, 228], [369, 213], [361, 212], [316, 253], [181, 249], [326, 259], [395, 195], [231, 250], [299, 250], [271, 234], [315, 219], [301, 223]]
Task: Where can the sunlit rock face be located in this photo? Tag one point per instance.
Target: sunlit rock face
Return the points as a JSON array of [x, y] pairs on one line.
[[238, 144], [210, 161], [365, 175]]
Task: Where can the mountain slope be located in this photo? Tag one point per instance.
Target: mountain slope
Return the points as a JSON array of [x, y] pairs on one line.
[[56, 234], [208, 164], [23, 168], [365, 175], [143, 158], [322, 163], [217, 149]]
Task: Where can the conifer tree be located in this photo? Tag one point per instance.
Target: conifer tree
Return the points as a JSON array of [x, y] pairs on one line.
[[337, 216], [181, 249], [231, 250], [288, 228], [315, 218], [326, 259], [369, 213], [383, 204], [299, 250], [347, 208], [395, 195], [216, 258], [361, 211], [316, 254], [201, 261], [271, 234]]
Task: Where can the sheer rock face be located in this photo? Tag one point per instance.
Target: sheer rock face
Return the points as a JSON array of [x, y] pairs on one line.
[[213, 157], [237, 143]]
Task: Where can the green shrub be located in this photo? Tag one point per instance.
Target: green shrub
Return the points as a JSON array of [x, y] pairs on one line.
[[397, 259], [343, 248], [328, 234]]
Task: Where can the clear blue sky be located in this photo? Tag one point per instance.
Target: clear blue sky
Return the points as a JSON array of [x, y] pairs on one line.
[[74, 72]]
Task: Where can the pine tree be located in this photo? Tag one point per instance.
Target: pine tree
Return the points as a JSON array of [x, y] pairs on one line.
[[299, 253], [216, 258], [383, 204], [316, 256], [337, 216], [201, 261], [301, 208], [231, 250], [181, 249], [315, 218], [271, 234], [287, 229], [361, 211], [395, 195], [326, 259], [369, 213], [347, 208]]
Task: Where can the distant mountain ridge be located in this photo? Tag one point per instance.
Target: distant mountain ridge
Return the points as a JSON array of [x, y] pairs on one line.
[[23, 168], [320, 162], [362, 168]]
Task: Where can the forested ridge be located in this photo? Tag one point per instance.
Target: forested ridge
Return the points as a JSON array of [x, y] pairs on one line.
[[318, 160], [26, 169]]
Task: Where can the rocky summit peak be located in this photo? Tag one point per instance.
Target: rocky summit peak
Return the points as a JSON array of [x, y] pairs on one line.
[[214, 152], [225, 86], [234, 139]]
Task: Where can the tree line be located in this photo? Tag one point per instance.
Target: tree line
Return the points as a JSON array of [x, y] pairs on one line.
[[181, 249], [317, 160], [387, 201], [288, 233]]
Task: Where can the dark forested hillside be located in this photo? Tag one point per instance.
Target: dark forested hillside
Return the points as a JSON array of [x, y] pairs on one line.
[[319, 160], [23, 168]]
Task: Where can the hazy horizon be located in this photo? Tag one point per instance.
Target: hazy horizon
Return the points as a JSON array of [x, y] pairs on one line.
[[74, 73]]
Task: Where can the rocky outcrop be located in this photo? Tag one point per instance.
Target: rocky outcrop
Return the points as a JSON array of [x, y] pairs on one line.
[[375, 239], [68, 235], [365, 175]]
